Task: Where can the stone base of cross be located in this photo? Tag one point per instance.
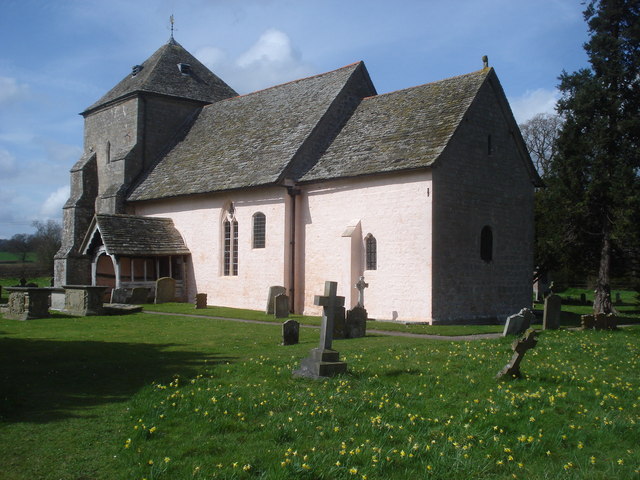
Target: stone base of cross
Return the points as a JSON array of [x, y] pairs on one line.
[[324, 362]]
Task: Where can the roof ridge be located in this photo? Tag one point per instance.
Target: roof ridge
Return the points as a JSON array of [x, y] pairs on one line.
[[483, 70], [296, 80]]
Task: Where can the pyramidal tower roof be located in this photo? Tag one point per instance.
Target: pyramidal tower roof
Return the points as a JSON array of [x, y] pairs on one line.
[[170, 71]]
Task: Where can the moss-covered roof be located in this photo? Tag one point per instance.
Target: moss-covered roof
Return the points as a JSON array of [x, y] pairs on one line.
[[401, 130], [159, 74], [248, 140], [132, 235]]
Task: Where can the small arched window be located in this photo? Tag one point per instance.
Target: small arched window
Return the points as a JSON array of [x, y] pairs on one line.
[[108, 152], [486, 244], [371, 252], [259, 230]]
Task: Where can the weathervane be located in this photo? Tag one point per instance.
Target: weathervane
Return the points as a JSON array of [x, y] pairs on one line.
[[171, 20]]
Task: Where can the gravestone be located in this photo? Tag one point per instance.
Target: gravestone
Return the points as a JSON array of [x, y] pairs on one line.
[[83, 300], [290, 332], [360, 286], [274, 291], [519, 347], [120, 295], [356, 322], [618, 298], [600, 321], [519, 323], [165, 290], [139, 295], [339, 327], [324, 362], [583, 298], [281, 306], [201, 300], [552, 309], [27, 303]]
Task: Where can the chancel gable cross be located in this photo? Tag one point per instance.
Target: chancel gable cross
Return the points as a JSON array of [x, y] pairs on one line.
[[330, 303]]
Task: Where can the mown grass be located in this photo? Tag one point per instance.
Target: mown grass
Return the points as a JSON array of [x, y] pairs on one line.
[[14, 257], [167, 397], [226, 312]]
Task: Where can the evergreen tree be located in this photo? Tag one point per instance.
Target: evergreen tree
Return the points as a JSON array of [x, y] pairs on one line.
[[594, 182]]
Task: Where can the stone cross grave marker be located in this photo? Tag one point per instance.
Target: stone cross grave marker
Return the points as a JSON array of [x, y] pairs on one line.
[[360, 286], [519, 347], [323, 361]]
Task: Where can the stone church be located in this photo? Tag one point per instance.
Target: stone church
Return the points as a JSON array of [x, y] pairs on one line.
[[427, 192]]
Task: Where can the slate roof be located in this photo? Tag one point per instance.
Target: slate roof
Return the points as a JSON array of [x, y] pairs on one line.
[[137, 236], [401, 130], [160, 75], [244, 141]]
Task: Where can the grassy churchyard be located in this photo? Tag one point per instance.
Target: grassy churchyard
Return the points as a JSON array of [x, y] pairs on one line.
[[175, 397]]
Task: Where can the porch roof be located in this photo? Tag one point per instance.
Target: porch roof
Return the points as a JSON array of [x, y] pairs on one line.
[[133, 235]]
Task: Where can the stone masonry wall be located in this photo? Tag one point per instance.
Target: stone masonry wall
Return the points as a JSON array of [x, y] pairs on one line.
[[474, 188]]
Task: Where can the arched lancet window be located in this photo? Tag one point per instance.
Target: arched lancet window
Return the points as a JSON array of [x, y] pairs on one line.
[[108, 152], [230, 256], [371, 252], [259, 229], [486, 244]]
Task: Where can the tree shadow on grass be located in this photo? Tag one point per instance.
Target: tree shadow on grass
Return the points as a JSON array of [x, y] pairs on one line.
[[47, 380]]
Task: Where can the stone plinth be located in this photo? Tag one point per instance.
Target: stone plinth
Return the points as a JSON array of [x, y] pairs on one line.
[[320, 364], [27, 303], [83, 300], [201, 300]]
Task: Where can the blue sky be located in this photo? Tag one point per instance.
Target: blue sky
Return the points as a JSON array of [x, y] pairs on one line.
[[60, 56]]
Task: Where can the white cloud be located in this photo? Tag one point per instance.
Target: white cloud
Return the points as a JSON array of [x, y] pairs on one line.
[[270, 61], [11, 90], [534, 102], [52, 206]]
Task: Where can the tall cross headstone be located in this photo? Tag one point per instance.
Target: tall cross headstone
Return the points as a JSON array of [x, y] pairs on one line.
[[323, 361], [360, 286], [519, 347]]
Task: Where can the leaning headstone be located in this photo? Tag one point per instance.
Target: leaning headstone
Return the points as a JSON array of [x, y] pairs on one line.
[[281, 306], [165, 290], [290, 332], [356, 322], [519, 347], [552, 309], [139, 295], [201, 300], [120, 295], [323, 361], [519, 323], [274, 291]]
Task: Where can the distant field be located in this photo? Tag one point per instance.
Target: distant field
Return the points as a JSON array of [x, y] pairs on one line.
[[12, 257]]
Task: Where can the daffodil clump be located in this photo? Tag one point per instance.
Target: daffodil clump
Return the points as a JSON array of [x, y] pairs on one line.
[[408, 408]]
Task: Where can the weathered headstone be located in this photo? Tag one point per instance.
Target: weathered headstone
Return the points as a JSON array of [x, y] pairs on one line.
[[26, 303], [552, 310], [339, 321], [618, 298], [290, 332], [360, 286], [519, 347], [139, 295], [600, 321], [120, 295], [201, 300], [165, 290], [281, 306], [83, 300], [274, 291], [356, 322], [518, 323], [323, 361], [583, 298]]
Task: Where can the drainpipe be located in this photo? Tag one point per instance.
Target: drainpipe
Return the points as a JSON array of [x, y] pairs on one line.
[[293, 193]]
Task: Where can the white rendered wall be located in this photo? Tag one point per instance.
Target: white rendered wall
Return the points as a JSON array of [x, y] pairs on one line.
[[198, 219], [396, 209]]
